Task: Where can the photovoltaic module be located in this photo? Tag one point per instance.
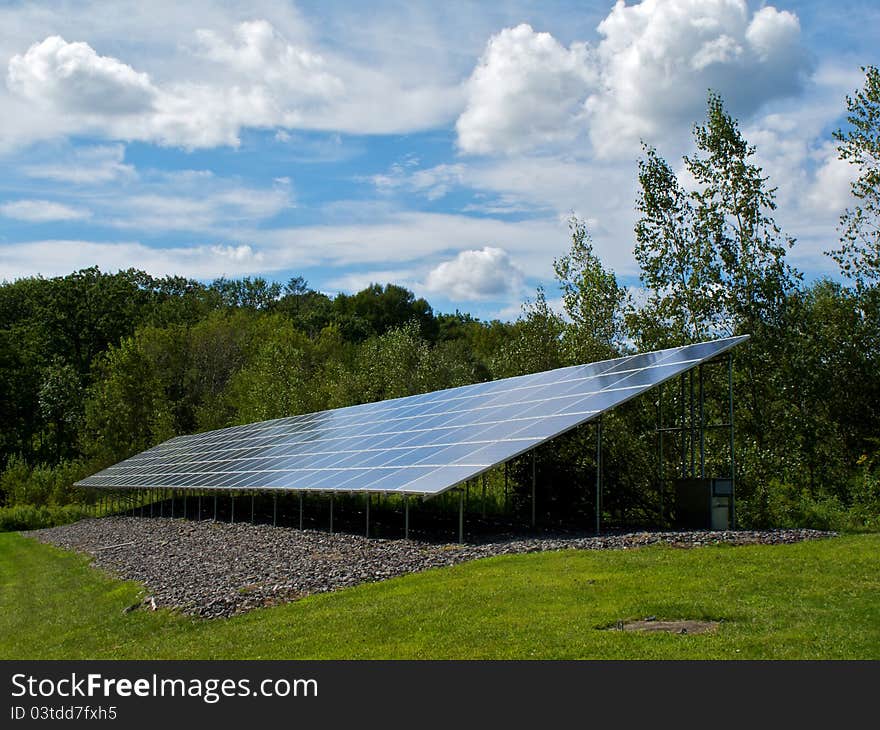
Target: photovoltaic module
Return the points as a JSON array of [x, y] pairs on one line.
[[421, 444]]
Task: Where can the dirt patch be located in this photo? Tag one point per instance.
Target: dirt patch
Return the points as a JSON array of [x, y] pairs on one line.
[[680, 626]]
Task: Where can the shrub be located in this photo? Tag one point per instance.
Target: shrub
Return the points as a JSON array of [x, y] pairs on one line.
[[33, 517]]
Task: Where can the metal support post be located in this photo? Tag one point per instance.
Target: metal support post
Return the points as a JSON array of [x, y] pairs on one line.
[[368, 514], [275, 509], [598, 475], [332, 500], [406, 517], [152, 498], [483, 498], [691, 440], [162, 504], [702, 426], [732, 447], [505, 487], [300, 510], [173, 491], [534, 481], [660, 484], [215, 506], [184, 504], [683, 419], [199, 506], [460, 516], [232, 510], [252, 508]]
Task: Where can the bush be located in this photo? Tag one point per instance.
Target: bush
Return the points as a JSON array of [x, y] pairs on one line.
[[32, 517], [21, 484]]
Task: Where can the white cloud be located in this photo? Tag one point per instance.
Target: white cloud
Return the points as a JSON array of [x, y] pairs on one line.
[[830, 191], [194, 200], [484, 274], [42, 211], [647, 77], [60, 257], [526, 91], [358, 280], [71, 76], [257, 51], [246, 76], [85, 165]]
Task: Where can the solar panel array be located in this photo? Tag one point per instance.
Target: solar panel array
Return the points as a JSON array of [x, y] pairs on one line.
[[421, 444]]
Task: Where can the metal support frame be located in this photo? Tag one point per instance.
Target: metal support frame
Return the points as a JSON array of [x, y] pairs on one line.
[[598, 475], [534, 482], [702, 425], [173, 492], [732, 443], [483, 498], [460, 516], [332, 500], [693, 426], [367, 511], [300, 510], [252, 507], [661, 485], [406, 517], [215, 506], [232, 510], [274, 509]]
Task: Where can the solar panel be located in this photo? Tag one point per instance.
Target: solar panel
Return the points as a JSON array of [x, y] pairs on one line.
[[421, 444]]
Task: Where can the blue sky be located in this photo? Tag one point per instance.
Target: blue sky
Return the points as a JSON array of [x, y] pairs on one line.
[[440, 146]]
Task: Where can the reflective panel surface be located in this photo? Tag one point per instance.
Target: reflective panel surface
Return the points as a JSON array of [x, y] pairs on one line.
[[421, 444]]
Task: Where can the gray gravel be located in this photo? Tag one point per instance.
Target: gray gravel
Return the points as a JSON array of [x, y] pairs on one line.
[[219, 569]]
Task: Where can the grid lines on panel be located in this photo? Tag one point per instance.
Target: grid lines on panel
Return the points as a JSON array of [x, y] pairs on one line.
[[421, 444]]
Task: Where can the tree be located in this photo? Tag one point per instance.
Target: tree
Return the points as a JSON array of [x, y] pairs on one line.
[[678, 266], [592, 298], [734, 213], [535, 342], [712, 259], [378, 309], [859, 255]]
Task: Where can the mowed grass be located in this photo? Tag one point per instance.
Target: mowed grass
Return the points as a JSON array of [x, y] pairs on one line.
[[815, 600]]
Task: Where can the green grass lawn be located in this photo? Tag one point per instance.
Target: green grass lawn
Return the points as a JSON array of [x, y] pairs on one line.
[[816, 600]]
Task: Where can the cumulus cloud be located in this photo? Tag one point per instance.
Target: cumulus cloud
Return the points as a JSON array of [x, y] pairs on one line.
[[527, 90], [42, 211], [247, 76], [58, 74], [648, 74], [256, 50], [487, 273]]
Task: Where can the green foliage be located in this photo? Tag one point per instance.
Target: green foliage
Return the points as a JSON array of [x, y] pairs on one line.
[[712, 259], [859, 255], [95, 367], [535, 342], [593, 301], [31, 517], [378, 309], [43, 484]]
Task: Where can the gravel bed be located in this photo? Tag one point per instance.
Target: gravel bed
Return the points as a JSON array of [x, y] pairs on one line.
[[217, 569]]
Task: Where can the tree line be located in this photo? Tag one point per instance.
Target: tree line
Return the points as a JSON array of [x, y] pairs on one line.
[[96, 366]]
